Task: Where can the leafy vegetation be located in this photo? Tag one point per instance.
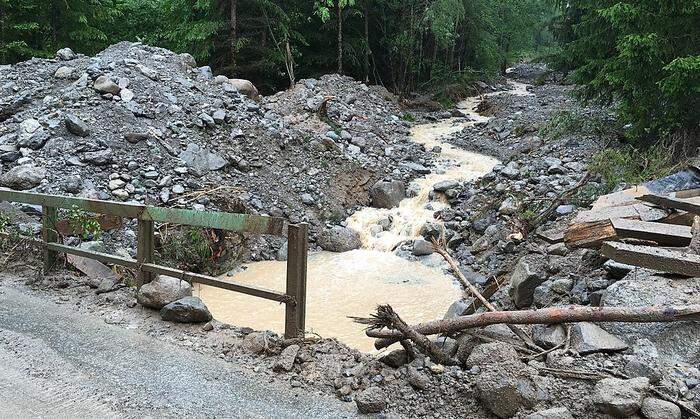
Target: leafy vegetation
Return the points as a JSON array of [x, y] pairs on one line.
[[402, 44], [642, 56], [189, 247], [84, 224], [631, 166]]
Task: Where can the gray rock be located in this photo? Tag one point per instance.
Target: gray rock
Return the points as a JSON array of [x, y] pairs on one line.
[[511, 171], [548, 336], [162, 291], [135, 137], [558, 249], [505, 389], [285, 362], [98, 158], [23, 177], [492, 353], [76, 126], [127, 95], [417, 379], [339, 239], [31, 134], [64, 72], [65, 54], [371, 400], [587, 338], [620, 398], [416, 167], [200, 160], [256, 342], [387, 194], [186, 310], [564, 209], [509, 206], [660, 409], [445, 185], [678, 342], [527, 275], [422, 248], [104, 85], [395, 359], [554, 413], [617, 270]]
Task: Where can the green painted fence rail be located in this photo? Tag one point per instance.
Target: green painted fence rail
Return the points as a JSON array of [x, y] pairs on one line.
[[294, 297]]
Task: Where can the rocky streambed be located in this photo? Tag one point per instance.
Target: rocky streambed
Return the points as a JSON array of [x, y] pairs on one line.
[[144, 124]]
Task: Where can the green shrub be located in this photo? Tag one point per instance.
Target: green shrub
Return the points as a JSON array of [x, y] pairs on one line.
[[84, 224], [568, 122], [188, 247], [632, 165]]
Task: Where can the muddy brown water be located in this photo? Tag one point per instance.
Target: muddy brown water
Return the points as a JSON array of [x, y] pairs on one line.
[[354, 283]]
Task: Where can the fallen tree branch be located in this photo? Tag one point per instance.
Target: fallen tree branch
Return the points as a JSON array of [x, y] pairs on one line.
[[553, 315], [475, 292], [387, 317], [564, 197]]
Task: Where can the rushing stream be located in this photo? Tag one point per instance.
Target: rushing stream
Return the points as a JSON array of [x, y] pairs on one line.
[[353, 283]]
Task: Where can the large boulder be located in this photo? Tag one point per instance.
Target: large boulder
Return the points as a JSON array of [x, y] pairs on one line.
[[163, 291], [339, 239], [506, 388], [660, 409], [245, 87], [201, 161], [527, 275], [103, 84], [31, 134], [387, 194], [76, 126], [680, 341], [587, 338], [23, 177], [371, 400], [186, 310], [285, 362], [620, 398]]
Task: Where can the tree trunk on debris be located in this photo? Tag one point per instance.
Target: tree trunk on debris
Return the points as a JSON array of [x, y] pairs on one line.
[[233, 22], [554, 315]]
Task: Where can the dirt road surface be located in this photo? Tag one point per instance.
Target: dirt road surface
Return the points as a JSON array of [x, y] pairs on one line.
[[57, 363]]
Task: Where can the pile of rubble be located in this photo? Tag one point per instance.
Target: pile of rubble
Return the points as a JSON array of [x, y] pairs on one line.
[[138, 123]]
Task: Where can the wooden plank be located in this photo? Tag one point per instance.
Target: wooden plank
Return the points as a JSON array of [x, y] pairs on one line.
[[220, 220], [656, 258], [664, 234], [621, 198], [102, 257], [297, 254], [687, 193], [49, 235], [91, 205], [216, 282], [636, 211], [144, 250], [590, 235], [689, 204]]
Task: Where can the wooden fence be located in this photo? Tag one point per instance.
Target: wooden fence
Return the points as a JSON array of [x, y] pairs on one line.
[[297, 235]]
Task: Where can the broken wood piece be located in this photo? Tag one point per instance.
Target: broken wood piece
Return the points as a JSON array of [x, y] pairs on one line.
[[691, 205], [656, 258], [695, 232], [664, 234], [564, 197], [552, 315], [591, 235], [475, 292], [625, 197]]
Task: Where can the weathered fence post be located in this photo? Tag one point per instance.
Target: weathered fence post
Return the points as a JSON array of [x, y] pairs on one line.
[[49, 235], [297, 253], [144, 251]]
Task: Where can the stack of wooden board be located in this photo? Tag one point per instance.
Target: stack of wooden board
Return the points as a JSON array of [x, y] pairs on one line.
[[639, 228]]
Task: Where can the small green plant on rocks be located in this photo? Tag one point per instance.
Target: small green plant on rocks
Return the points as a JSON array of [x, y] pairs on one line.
[[567, 122], [629, 165], [84, 224], [189, 247]]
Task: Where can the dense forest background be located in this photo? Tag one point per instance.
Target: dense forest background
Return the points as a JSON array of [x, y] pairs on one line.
[[643, 56]]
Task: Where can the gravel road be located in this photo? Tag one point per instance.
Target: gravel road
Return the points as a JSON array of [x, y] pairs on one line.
[[57, 363]]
